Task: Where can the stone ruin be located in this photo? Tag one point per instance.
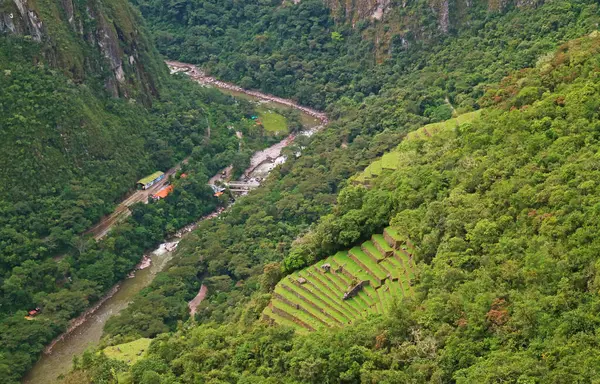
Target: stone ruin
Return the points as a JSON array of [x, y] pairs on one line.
[[354, 290]]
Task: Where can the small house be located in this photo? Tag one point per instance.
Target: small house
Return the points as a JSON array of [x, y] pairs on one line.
[[163, 193]]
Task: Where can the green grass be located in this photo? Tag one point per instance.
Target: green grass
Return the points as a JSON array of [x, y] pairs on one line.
[[325, 297], [342, 280], [272, 122], [312, 309], [372, 250], [320, 301], [337, 294], [387, 297], [370, 295], [468, 117], [399, 266], [336, 283], [350, 265], [298, 314], [360, 178], [283, 321], [376, 168], [321, 297], [390, 160], [369, 263], [364, 301], [393, 233], [405, 260], [361, 301], [128, 352], [395, 271], [381, 242]]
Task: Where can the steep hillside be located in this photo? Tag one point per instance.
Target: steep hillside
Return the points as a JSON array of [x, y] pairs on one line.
[[301, 51], [87, 40], [238, 256], [345, 287]]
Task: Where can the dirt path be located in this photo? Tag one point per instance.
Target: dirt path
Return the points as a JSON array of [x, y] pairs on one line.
[[193, 305]]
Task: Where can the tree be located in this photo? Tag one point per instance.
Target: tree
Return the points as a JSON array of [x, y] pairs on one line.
[[270, 276]]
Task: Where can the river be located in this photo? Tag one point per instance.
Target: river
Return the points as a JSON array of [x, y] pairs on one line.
[[60, 358], [86, 331]]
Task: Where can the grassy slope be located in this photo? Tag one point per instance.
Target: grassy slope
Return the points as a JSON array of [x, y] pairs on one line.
[[273, 122], [128, 353]]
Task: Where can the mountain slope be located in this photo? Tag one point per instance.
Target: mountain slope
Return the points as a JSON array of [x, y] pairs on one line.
[[504, 212], [89, 40]]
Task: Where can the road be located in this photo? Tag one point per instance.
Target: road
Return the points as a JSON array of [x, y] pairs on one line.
[[86, 330]]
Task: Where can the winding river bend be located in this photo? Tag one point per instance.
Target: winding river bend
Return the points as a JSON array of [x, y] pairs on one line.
[[86, 330]]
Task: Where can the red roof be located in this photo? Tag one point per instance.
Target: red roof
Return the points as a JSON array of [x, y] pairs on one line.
[[183, 175], [218, 194], [163, 192]]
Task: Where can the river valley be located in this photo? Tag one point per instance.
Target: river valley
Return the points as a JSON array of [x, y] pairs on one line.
[[86, 330]]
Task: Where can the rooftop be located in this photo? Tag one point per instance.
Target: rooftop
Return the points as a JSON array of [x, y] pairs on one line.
[[163, 192], [150, 178]]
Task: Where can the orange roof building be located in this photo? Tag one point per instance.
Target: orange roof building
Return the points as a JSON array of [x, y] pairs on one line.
[[163, 193]]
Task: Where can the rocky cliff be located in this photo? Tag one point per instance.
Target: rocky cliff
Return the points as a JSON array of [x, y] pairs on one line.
[[87, 40], [448, 13]]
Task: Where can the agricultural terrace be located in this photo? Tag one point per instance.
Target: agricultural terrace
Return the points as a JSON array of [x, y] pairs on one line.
[[346, 286]]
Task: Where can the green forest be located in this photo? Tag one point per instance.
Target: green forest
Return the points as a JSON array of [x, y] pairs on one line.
[[498, 208]]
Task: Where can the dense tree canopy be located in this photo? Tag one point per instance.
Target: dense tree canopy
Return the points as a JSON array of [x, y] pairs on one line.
[[260, 228]]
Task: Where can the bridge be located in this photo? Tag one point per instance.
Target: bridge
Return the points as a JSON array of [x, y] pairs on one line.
[[240, 186]]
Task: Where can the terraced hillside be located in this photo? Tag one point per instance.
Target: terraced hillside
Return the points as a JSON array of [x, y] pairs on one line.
[[395, 159], [346, 286]]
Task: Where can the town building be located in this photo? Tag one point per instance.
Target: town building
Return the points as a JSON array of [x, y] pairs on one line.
[[149, 181]]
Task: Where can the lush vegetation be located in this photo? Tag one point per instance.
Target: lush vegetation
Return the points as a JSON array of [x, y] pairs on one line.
[[501, 208], [503, 213], [297, 51]]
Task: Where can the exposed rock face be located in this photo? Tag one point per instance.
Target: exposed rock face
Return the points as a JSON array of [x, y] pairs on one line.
[[111, 33], [16, 17], [354, 11], [448, 12]]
